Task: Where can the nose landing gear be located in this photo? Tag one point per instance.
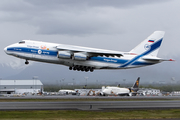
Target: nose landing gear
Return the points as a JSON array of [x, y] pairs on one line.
[[26, 62]]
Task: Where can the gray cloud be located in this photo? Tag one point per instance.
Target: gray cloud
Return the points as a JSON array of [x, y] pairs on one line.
[[67, 17], [70, 4]]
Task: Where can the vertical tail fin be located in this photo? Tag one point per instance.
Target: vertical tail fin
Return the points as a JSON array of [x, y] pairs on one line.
[[103, 87], [136, 84], [134, 88], [154, 40]]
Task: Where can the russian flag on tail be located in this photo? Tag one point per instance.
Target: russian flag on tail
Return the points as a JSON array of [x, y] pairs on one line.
[[151, 41]]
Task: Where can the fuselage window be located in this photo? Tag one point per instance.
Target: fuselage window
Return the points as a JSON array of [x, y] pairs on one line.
[[21, 42]]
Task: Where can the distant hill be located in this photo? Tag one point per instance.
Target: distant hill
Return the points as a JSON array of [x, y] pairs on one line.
[[7, 70]]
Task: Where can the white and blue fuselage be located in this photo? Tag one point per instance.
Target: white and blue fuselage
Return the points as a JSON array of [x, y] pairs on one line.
[[87, 59]]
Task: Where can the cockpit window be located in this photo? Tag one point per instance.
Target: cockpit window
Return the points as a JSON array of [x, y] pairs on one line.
[[21, 42]]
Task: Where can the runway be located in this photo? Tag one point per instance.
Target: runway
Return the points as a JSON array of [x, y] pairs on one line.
[[90, 105], [96, 97]]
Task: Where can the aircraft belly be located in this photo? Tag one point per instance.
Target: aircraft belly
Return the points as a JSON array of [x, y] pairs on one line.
[[48, 59], [22, 55], [70, 62], [55, 60]]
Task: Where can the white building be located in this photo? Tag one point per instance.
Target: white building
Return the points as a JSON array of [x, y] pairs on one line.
[[20, 86]]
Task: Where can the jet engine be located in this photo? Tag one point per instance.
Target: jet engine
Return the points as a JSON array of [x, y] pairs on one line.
[[64, 54], [80, 56], [101, 94]]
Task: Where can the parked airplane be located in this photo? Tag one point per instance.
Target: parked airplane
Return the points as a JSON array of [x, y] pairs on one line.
[[67, 91], [121, 91], [87, 59]]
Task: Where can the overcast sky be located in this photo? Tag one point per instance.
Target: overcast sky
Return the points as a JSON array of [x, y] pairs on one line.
[[116, 25]]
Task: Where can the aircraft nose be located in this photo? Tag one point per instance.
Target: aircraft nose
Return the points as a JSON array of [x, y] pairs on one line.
[[5, 49]]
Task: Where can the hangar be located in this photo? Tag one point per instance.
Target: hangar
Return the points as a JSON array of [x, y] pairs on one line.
[[20, 86]]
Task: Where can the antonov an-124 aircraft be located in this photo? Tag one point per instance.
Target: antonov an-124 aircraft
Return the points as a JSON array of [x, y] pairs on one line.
[[88, 59]]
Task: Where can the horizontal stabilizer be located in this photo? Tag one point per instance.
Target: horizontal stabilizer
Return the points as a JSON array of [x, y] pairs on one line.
[[150, 58]]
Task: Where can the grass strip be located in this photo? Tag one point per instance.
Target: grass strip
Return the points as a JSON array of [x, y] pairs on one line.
[[89, 115]]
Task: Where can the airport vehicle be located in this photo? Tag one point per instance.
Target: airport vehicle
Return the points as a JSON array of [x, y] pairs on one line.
[[87, 59], [112, 90]]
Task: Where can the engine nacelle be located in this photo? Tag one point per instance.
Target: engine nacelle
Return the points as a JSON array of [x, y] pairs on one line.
[[101, 94], [80, 56], [64, 54]]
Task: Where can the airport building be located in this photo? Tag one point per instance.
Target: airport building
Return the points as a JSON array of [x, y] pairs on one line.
[[20, 86]]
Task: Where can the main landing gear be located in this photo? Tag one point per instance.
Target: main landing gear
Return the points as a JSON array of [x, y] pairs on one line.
[[26, 62], [82, 68]]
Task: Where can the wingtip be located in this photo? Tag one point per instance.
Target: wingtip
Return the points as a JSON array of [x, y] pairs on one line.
[[171, 60]]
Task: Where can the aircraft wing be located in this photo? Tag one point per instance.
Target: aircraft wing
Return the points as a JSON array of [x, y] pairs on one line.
[[133, 93], [90, 51], [121, 94]]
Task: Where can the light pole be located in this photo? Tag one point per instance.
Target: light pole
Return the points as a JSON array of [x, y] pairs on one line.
[[0, 82], [63, 82], [172, 79], [124, 81], [86, 80], [57, 84], [14, 86], [34, 82], [97, 83], [60, 83], [73, 83]]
